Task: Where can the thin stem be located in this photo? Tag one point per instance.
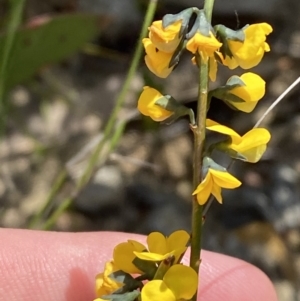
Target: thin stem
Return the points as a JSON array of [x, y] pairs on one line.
[[276, 102], [110, 126], [60, 180], [208, 8], [120, 100], [65, 204], [199, 139]]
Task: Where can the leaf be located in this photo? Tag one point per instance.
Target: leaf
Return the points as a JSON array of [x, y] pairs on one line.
[[148, 267], [224, 94], [130, 296], [46, 43], [130, 283]]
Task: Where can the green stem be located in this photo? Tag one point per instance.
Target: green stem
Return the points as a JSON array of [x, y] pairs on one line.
[[199, 140], [65, 204], [110, 126], [208, 8], [60, 180], [120, 100]]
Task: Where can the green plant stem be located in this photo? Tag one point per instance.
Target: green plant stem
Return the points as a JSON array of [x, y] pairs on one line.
[[110, 126], [120, 100], [16, 10], [199, 140], [57, 213], [60, 180]]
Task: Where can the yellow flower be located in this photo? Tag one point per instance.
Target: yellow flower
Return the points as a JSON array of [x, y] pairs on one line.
[[104, 284], [213, 68], [251, 93], [124, 255], [165, 39], [212, 184], [206, 46], [249, 53], [161, 247], [157, 61], [252, 145], [179, 283], [147, 106]]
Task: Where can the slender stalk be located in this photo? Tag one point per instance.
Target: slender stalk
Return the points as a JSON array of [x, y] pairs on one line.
[[199, 139], [110, 126], [57, 213], [60, 180], [120, 100]]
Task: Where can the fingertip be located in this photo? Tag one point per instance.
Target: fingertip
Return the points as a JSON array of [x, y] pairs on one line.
[[227, 278]]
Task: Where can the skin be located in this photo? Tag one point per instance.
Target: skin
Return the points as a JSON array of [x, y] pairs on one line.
[[49, 266]]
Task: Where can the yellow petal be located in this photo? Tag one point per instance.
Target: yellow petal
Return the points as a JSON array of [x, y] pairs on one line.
[[216, 127], [224, 179], [146, 105], [177, 239], [203, 190], [182, 281], [165, 39], [213, 68], [253, 138], [157, 290], [157, 61], [153, 256], [104, 284], [253, 155], [249, 53], [253, 144], [123, 256], [157, 243], [203, 44], [251, 93], [216, 192]]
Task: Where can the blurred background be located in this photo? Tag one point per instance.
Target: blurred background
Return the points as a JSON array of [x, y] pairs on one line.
[[61, 86]]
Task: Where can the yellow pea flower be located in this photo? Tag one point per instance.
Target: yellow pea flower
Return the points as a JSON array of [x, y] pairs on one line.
[[157, 61], [161, 247], [124, 255], [104, 284], [212, 184], [179, 283], [165, 39], [251, 93], [147, 106], [249, 53], [205, 46], [252, 145]]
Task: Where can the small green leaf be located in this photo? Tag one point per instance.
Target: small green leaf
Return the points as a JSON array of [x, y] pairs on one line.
[[235, 81], [130, 296], [224, 94], [229, 34], [130, 283], [148, 267], [210, 163], [49, 42], [184, 15], [223, 146], [224, 34], [169, 103]]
